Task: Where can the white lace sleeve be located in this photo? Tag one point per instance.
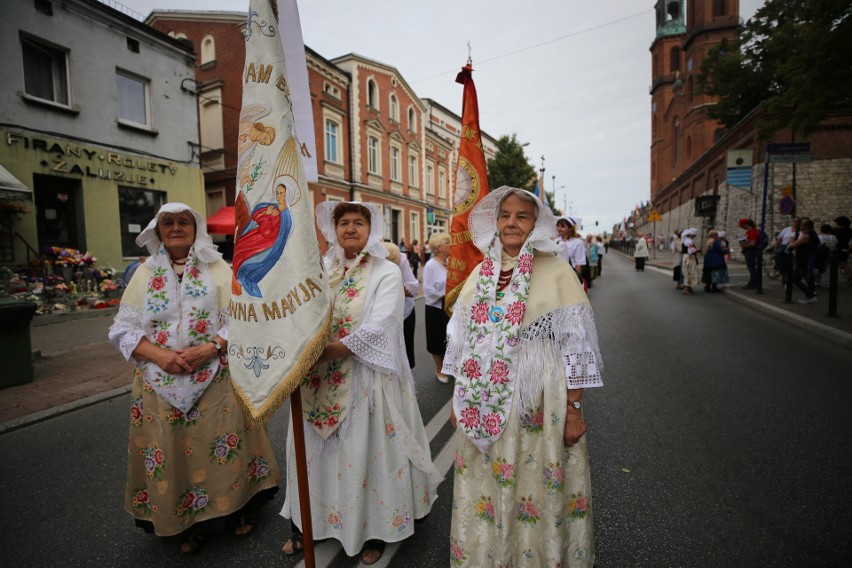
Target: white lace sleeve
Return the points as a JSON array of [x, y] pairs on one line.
[[455, 339], [573, 329], [222, 323], [126, 331], [376, 343]]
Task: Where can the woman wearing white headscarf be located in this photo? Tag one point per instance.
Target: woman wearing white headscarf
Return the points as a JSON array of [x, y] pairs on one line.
[[193, 458], [691, 277], [369, 467], [522, 346], [640, 253]]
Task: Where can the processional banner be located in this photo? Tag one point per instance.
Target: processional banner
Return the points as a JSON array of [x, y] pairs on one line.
[[471, 186], [280, 307]]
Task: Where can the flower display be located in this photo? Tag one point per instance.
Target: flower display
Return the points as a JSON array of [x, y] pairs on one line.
[[68, 257]]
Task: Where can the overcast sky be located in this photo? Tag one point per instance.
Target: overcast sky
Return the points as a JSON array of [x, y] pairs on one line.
[[569, 77]]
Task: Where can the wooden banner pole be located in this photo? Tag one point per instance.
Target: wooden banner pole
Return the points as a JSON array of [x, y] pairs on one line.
[[302, 476]]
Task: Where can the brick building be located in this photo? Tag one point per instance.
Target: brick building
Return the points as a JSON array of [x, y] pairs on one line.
[[376, 139], [689, 151]]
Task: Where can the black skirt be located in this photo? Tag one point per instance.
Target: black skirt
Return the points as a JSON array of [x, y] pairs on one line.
[[436, 330]]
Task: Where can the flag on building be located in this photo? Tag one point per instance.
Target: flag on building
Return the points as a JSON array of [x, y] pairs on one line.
[[471, 186], [279, 309]]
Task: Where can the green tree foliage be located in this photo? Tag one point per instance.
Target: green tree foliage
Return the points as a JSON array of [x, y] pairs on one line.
[[509, 166], [793, 59]]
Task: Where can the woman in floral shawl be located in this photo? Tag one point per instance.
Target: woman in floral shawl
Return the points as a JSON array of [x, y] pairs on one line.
[[522, 346], [369, 468], [193, 458]]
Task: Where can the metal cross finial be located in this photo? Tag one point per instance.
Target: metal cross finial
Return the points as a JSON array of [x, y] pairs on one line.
[[469, 54]]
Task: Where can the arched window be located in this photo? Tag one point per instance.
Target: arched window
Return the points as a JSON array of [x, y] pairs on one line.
[[394, 108], [372, 94], [412, 120], [674, 59], [373, 155], [208, 49], [688, 147], [719, 8]]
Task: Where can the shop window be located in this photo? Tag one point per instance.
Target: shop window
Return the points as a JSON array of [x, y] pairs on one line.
[[45, 71], [136, 208]]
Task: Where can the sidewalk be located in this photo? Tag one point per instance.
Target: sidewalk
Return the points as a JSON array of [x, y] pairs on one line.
[[74, 365], [812, 316]]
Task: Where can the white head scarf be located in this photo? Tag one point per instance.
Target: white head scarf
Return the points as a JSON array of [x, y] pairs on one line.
[[325, 222], [483, 221], [205, 250]]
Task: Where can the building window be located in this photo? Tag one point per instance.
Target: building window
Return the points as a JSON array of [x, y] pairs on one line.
[[45, 71], [430, 181], [412, 171], [331, 141], [414, 227], [394, 108], [372, 95], [718, 8], [674, 59], [208, 49], [442, 181], [133, 45], [395, 166], [132, 99], [136, 207], [688, 147], [412, 120], [373, 155]]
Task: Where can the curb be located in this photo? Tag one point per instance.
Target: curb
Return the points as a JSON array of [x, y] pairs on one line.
[[46, 414]]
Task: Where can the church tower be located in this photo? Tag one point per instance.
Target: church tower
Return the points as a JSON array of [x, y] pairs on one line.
[[680, 130]]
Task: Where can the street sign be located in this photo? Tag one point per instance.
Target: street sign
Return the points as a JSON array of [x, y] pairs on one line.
[[654, 217], [790, 158], [786, 205], [788, 148]]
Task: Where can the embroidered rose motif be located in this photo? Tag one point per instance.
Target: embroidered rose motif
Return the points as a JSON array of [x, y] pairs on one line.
[[471, 369], [470, 418], [202, 376], [162, 337], [492, 423], [487, 268], [499, 372], [484, 510], [351, 292], [201, 326], [515, 312], [479, 313], [157, 282], [337, 378], [528, 512], [525, 263]]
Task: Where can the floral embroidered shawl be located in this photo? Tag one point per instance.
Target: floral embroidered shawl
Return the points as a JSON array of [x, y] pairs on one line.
[[178, 314]]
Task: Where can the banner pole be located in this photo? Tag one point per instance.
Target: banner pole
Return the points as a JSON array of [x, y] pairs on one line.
[[302, 477]]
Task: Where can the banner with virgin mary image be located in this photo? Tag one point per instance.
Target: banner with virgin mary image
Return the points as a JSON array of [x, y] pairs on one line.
[[279, 309]]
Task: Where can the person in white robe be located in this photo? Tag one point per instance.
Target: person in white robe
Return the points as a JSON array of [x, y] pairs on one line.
[[369, 466], [522, 346]]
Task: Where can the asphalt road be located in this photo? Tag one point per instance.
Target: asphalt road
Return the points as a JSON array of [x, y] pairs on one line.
[[721, 439]]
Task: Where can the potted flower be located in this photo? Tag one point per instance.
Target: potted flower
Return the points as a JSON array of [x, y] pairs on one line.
[[81, 305], [110, 289]]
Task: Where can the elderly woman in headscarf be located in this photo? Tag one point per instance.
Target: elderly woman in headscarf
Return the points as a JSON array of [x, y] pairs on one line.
[[715, 269], [193, 457], [690, 260], [370, 470], [522, 346]]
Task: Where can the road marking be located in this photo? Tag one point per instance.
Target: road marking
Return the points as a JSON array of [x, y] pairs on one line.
[[326, 551]]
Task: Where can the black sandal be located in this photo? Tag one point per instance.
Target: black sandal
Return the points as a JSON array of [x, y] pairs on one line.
[[297, 544], [370, 546]]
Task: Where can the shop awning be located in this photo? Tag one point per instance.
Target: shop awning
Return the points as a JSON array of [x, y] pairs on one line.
[[11, 187], [222, 222]]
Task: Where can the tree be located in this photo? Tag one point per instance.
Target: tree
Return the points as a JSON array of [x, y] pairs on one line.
[[793, 60], [509, 166]]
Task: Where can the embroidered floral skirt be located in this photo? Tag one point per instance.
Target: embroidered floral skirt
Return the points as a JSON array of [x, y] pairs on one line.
[[366, 485], [188, 468], [527, 501]]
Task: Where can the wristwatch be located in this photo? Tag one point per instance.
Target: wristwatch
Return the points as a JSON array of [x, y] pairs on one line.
[[217, 346], [576, 404]]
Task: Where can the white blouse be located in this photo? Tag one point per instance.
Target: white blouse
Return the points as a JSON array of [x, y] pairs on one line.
[[434, 283]]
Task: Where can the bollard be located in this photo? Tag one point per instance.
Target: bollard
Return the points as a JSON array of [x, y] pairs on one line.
[[832, 287]]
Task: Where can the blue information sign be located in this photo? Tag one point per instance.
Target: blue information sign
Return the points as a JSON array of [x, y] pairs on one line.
[[788, 148]]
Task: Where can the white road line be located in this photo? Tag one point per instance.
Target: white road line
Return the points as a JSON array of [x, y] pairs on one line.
[[325, 552]]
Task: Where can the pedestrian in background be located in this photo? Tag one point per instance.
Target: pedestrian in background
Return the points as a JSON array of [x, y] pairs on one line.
[[194, 460], [640, 253], [690, 260], [715, 270], [410, 287], [522, 488], [601, 252], [414, 257], [804, 248], [750, 245], [434, 289], [843, 233], [571, 249], [677, 260], [827, 247], [783, 261]]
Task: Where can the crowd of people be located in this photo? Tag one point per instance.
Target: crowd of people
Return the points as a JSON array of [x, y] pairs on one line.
[[519, 348]]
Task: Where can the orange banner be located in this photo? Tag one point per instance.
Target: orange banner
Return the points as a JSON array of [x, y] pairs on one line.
[[471, 186]]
